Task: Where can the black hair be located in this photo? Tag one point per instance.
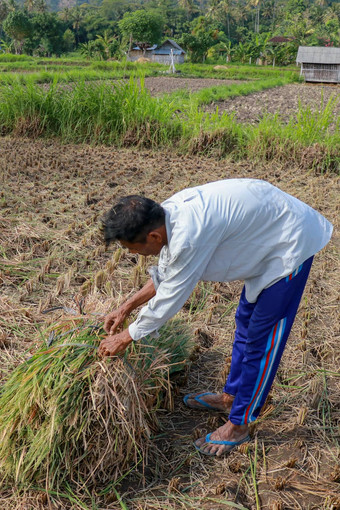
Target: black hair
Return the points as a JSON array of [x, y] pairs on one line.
[[131, 219]]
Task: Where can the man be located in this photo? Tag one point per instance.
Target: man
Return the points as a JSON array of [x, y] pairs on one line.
[[237, 229]]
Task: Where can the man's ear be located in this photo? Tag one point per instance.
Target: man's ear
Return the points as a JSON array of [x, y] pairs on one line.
[[154, 236]]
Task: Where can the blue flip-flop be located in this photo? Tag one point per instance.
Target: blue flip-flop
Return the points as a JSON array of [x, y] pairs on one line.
[[198, 399], [233, 444]]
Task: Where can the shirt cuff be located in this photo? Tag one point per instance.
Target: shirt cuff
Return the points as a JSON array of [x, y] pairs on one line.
[[136, 334], [133, 332]]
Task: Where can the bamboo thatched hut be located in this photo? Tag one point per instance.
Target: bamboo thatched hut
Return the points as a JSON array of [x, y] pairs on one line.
[[319, 64]]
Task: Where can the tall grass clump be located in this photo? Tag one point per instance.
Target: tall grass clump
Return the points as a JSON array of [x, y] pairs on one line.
[[214, 135], [9, 57], [120, 113], [69, 416], [310, 138], [72, 72], [236, 71]]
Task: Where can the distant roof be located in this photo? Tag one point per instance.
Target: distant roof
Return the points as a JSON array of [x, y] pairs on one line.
[[280, 39], [159, 50], [147, 49], [318, 55], [174, 44]]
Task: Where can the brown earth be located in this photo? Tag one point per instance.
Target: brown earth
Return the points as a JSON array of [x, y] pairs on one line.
[[51, 200], [282, 100]]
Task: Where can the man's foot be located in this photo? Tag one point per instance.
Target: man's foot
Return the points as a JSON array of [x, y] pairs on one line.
[[223, 440], [207, 400]]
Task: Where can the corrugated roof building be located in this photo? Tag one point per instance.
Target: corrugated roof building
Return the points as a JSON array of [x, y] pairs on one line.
[[161, 54], [319, 64]]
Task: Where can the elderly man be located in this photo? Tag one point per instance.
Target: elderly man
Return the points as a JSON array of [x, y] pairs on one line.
[[236, 229]]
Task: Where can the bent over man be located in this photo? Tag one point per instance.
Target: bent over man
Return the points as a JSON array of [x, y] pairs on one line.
[[236, 229]]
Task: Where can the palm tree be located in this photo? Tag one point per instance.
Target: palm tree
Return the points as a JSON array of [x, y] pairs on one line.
[[7, 47], [189, 6], [88, 49], [76, 21], [221, 9], [40, 5], [256, 4], [29, 4], [105, 42], [3, 10]]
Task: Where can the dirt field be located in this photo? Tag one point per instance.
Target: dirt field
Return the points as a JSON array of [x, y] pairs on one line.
[[51, 201], [283, 100]]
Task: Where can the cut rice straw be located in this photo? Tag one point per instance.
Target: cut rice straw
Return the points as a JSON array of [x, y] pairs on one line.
[[68, 415]]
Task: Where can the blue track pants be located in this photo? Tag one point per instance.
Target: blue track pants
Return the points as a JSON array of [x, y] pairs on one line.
[[262, 329]]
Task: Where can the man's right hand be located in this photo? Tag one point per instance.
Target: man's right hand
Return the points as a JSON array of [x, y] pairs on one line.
[[113, 320]]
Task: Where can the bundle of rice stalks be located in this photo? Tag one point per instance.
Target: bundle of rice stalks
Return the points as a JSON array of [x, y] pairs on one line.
[[67, 414]]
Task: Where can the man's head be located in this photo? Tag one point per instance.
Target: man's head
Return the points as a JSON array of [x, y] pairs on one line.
[[138, 223]]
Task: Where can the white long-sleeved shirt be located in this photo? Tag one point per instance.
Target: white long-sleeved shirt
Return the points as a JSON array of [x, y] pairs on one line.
[[235, 229]]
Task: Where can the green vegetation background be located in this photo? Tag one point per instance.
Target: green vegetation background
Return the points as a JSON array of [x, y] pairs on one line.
[[209, 30]]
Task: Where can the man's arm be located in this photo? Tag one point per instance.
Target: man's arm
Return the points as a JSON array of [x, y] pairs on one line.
[[116, 318]]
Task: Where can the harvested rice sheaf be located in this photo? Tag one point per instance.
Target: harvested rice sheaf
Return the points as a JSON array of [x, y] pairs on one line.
[[67, 414]]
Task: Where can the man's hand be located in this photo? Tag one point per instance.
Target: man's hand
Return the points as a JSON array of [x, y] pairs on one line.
[[113, 320], [115, 344]]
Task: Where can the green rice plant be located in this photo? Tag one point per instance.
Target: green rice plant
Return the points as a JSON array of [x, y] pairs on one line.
[[223, 92], [124, 114], [311, 138], [313, 126], [69, 416], [253, 471], [102, 113], [66, 74], [236, 71], [9, 57], [213, 134]]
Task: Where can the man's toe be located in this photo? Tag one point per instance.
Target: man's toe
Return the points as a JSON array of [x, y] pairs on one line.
[[200, 442]]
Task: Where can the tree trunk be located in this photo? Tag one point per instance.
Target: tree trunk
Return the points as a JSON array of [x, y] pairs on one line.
[[228, 26]]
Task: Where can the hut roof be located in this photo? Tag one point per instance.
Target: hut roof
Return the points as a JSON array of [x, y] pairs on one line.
[[160, 50], [151, 48], [174, 44], [318, 55]]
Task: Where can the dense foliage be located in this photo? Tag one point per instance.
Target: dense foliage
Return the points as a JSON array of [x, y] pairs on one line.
[[219, 30]]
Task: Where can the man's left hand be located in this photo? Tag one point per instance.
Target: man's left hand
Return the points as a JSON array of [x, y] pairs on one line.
[[115, 344]]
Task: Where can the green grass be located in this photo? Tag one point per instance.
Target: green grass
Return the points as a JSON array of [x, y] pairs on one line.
[[236, 71], [117, 113], [187, 99], [73, 69], [124, 113], [66, 75], [8, 57]]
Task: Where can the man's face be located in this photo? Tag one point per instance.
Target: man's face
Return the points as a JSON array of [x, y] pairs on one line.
[[150, 247]]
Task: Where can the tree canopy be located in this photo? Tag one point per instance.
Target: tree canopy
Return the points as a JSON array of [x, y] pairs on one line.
[[143, 27], [202, 27]]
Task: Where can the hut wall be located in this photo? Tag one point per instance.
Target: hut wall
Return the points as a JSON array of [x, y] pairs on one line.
[[321, 72], [165, 59], [136, 54]]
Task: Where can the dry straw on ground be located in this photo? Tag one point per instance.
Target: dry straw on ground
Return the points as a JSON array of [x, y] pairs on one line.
[[51, 200]]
